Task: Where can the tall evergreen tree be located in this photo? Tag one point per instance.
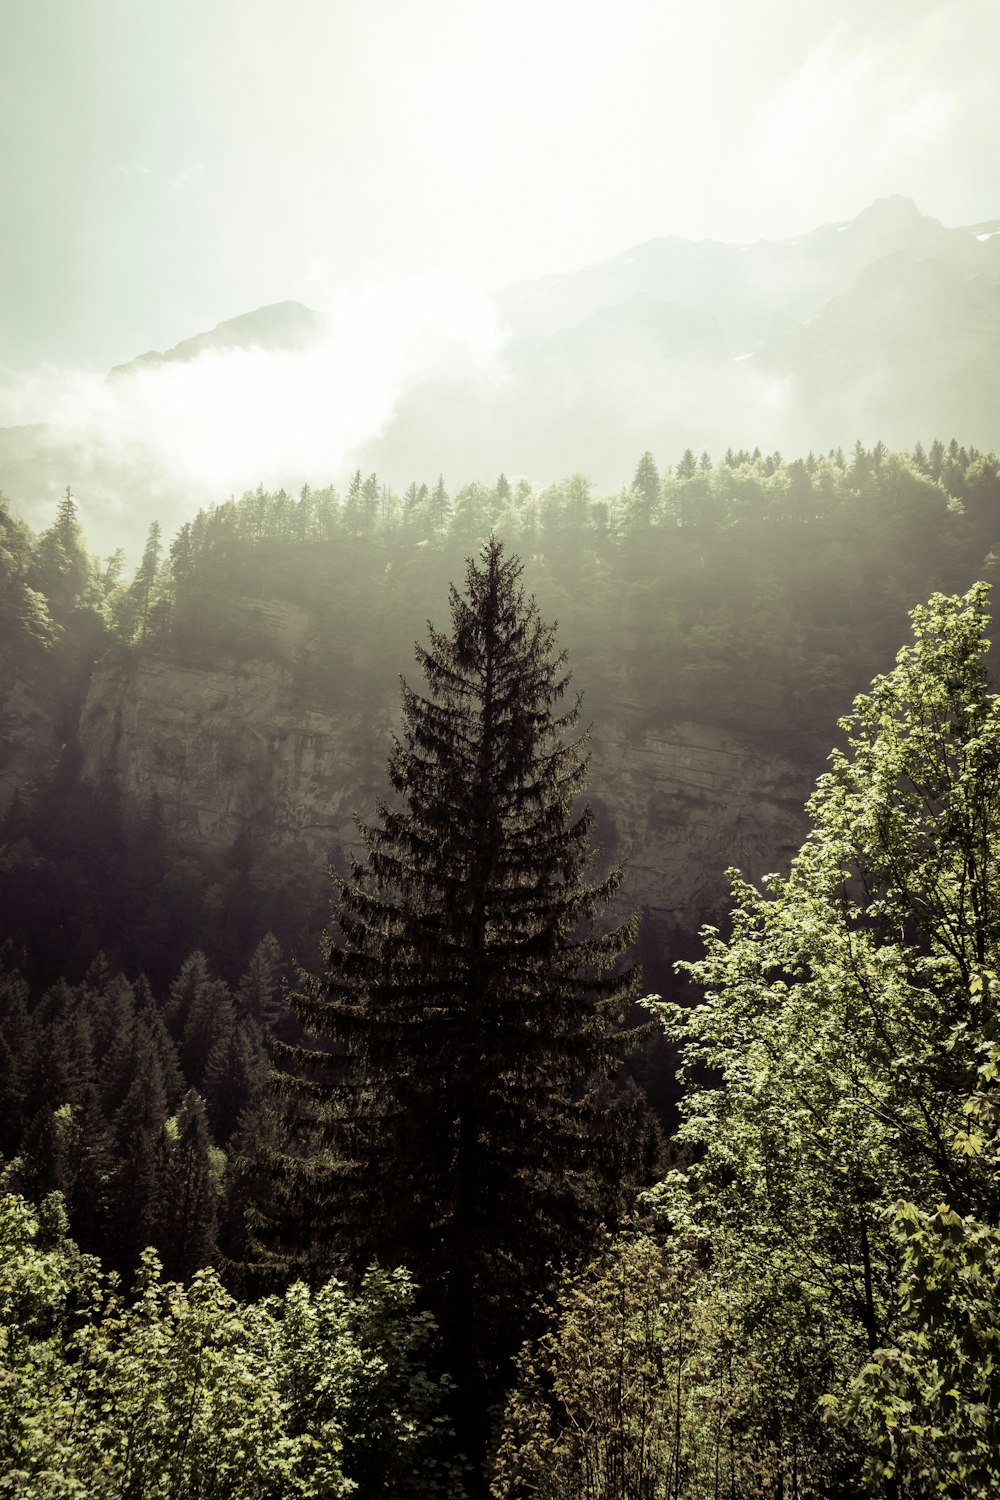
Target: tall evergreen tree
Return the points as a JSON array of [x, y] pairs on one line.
[[145, 578], [439, 505], [259, 992], [468, 1003], [187, 1207], [61, 567]]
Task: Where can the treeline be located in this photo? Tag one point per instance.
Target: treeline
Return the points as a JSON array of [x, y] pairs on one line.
[[767, 585]]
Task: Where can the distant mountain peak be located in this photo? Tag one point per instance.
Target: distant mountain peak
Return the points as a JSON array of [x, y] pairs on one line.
[[277, 326], [895, 212]]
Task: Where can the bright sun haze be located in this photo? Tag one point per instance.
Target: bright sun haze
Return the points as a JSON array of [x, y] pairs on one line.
[[172, 164]]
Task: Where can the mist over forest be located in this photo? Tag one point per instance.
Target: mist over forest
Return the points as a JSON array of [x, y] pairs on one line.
[[499, 751], [881, 328]]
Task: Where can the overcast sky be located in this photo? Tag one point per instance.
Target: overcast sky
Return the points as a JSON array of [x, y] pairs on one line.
[[169, 163]]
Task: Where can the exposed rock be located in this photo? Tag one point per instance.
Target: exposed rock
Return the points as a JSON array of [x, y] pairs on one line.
[[31, 726], [244, 745], [688, 801]]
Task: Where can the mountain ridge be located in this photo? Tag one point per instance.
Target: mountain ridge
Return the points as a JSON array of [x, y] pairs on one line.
[[807, 343], [275, 325]]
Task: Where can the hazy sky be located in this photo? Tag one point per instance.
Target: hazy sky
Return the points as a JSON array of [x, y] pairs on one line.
[[169, 163]]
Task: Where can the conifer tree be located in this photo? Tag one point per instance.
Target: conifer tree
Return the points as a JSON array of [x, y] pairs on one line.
[[61, 567], [468, 1002], [439, 505], [19, 1040], [145, 578], [134, 1185], [189, 1192], [259, 992]]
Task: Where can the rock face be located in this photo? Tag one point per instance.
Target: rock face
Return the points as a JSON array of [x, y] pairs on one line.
[[31, 725], [231, 747], [246, 745], [685, 803]]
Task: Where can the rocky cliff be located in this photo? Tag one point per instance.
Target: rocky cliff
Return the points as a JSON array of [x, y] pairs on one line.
[[31, 723], [266, 744]]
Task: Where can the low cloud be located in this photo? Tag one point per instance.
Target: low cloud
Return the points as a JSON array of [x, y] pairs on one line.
[[165, 438]]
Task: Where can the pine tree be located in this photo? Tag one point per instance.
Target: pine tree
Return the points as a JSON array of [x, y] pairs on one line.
[[61, 568], [440, 505], [648, 493], [198, 1012], [259, 992], [469, 1004], [20, 1039], [234, 1076], [134, 1185], [145, 578], [189, 1192]]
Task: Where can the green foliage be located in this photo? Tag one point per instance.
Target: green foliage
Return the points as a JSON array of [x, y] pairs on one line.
[[842, 1034], [25, 621], [185, 1392], [930, 1403], [606, 1400], [645, 1387], [61, 567]]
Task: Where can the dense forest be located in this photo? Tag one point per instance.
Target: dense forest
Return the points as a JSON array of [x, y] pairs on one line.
[[469, 1232]]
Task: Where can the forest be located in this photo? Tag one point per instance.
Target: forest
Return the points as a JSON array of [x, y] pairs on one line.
[[384, 1173]]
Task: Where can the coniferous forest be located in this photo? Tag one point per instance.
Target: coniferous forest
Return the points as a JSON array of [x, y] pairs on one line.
[[428, 1165]]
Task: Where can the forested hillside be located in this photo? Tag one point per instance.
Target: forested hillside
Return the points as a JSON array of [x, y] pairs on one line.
[[184, 750], [154, 911]]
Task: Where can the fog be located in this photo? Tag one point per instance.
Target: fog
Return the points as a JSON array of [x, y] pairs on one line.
[[165, 438], [883, 327], [170, 164]]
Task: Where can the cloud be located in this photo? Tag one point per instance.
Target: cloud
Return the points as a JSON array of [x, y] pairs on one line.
[[189, 433], [131, 171]]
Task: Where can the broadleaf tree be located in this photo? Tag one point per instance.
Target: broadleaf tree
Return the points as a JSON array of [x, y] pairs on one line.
[[842, 1031], [446, 1112]]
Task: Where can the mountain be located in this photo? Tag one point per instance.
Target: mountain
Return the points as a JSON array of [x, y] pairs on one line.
[[744, 285], [908, 348], [282, 326], [119, 463], [883, 327]]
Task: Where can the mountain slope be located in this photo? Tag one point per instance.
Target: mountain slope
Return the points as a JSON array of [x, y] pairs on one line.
[[882, 328], [281, 326]]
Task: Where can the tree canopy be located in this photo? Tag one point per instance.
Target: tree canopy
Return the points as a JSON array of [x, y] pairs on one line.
[[834, 1063]]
